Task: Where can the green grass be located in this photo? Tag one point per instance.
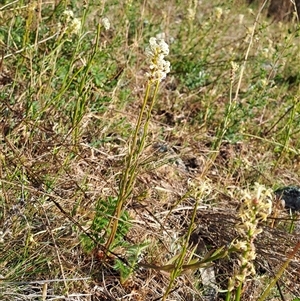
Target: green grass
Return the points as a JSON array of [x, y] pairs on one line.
[[70, 98]]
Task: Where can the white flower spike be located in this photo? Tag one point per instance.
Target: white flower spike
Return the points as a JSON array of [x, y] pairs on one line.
[[156, 52], [106, 24]]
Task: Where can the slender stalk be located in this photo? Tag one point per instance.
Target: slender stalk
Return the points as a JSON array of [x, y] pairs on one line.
[[129, 175], [82, 96], [223, 127], [287, 136], [180, 262], [248, 50], [238, 292], [228, 295], [159, 68]]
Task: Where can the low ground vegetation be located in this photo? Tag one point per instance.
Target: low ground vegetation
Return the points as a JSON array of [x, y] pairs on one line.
[[141, 145]]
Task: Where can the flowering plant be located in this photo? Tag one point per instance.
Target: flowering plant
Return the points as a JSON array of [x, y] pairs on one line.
[[156, 53], [158, 70], [256, 207]]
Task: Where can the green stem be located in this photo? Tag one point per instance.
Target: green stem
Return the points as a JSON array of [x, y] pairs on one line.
[[129, 176], [82, 97], [179, 263], [238, 292], [228, 295]]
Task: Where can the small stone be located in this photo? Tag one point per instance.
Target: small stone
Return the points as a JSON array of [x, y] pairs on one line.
[[291, 197]]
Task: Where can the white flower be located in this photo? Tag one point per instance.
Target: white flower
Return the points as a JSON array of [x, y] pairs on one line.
[[218, 12], [105, 22], [74, 27], [160, 36], [191, 14], [240, 245], [71, 25], [68, 14], [156, 52]]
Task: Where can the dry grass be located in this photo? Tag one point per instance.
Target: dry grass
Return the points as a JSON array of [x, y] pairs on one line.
[[56, 166]]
